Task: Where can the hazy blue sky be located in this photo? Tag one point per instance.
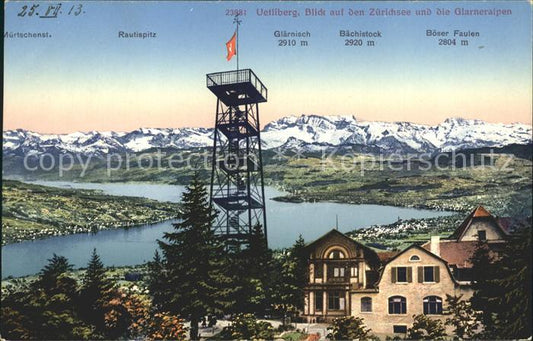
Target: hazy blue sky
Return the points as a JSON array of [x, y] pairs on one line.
[[87, 78]]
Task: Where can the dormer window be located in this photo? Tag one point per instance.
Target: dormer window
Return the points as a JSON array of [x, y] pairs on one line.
[[414, 258]]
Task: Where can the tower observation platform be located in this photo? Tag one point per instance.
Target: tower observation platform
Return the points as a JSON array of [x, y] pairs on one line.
[[237, 185], [237, 87]]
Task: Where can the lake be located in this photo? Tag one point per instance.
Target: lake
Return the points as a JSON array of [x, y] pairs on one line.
[[285, 222]]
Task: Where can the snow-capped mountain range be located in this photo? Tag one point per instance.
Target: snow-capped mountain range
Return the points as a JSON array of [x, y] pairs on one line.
[[311, 132]]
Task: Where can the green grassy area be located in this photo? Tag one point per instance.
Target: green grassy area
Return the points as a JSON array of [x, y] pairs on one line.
[[294, 336], [32, 211]]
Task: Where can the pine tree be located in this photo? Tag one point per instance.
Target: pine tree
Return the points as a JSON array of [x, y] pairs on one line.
[[289, 277], [502, 288], [485, 289], [44, 309], [257, 253], [157, 280], [286, 293], [195, 262], [300, 256], [236, 265], [463, 317], [252, 274], [96, 292], [56, 266], [514, 269]]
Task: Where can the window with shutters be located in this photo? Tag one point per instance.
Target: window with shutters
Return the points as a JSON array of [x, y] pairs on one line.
[[401, 274], [397, 305], [432, 305], [366, 304], [428, 274]]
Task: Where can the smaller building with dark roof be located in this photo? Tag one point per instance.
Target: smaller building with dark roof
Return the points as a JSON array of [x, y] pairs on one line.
[[480, 226]]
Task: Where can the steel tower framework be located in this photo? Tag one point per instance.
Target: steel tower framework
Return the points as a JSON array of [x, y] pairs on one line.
[[237, 186]]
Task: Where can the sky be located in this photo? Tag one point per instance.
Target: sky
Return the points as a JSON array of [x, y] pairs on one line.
[[87, 78]]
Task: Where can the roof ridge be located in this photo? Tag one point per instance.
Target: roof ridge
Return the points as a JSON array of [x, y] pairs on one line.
[[478, 212], [481, 211]]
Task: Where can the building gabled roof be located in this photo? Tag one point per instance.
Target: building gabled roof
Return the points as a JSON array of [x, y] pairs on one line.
[[368, 252], [326, 235], [415, 246], [478, 213], [337, 232]]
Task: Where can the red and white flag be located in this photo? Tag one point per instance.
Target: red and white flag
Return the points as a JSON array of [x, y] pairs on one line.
[[231, 45]]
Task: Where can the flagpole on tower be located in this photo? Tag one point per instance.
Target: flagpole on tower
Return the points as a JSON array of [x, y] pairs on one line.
[[237, 22]]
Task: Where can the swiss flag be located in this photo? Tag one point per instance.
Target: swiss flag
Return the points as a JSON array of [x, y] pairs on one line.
[[231, 45]]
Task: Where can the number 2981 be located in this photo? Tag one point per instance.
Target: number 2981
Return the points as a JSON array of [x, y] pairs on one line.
[[234, 12]]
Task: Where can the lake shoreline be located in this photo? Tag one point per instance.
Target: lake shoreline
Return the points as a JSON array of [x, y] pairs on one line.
[[286, 198], [128, 245], [33, 211], [295, 199], [107, 228]]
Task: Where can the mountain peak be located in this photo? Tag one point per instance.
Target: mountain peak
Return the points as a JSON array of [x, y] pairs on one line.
[[461, 121], [304, 130]]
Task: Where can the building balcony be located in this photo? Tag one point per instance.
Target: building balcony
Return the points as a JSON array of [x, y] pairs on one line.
[[340, 280]]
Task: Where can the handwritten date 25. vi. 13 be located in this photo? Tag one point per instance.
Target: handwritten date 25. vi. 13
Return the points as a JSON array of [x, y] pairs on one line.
[[50, 11]]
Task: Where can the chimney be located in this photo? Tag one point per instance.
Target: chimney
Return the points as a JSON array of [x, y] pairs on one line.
[[434, 245]]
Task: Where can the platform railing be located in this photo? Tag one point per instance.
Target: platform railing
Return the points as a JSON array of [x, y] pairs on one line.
[[236, 77]]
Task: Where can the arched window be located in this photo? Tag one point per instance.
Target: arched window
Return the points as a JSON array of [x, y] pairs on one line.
[[414, 258], [336, 254], [366, 304], [397, 305], [432, 305]]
